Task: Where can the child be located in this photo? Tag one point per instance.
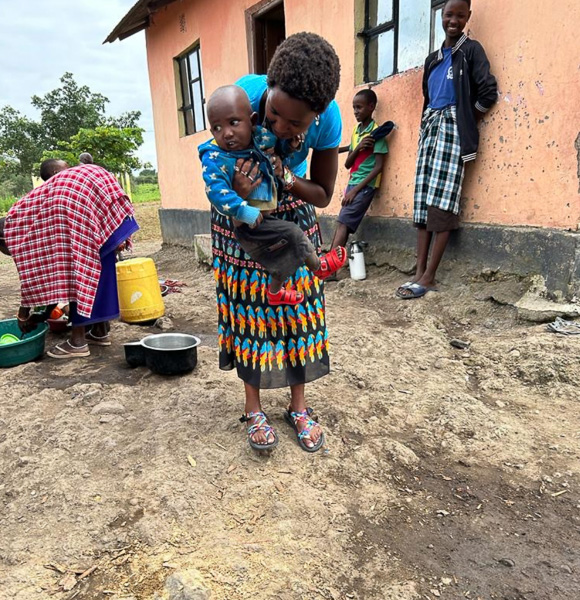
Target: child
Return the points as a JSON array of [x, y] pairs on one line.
[[279, 246], [365, 160], [458, 88]]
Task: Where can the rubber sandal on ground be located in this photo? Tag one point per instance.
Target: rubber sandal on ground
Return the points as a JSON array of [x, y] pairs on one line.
[[95, 340], [404, 286], [284, 296], [293, 418], [413, 291], [67, 350], [331, 262], [260, 424]]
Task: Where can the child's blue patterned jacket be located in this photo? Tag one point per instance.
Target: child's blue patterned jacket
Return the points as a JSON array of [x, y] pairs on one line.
[[218, 174]]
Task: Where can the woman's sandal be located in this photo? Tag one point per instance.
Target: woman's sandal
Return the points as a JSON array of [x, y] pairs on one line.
[[293, 418], [96, 340], [284, 296], [260, 424], [67, 350], [331, 262]]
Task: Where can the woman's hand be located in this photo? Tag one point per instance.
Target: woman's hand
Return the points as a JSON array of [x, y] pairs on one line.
[[296, 142], [29, 322], [276, 163], [246, 177]]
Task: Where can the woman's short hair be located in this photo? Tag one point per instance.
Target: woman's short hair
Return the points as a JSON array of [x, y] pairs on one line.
[[306, 67]]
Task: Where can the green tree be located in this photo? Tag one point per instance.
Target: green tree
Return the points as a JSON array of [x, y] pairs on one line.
[[147, 175], [20, 140], [66, 109], [111, 147], [66, 112]]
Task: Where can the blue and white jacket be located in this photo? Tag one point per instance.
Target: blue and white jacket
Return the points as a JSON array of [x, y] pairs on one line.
[[218, 174]]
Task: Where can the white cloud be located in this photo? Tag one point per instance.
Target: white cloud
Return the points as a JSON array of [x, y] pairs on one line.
[[40, 41]]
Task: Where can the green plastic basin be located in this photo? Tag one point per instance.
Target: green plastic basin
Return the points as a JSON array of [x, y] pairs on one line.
[[30, 347]]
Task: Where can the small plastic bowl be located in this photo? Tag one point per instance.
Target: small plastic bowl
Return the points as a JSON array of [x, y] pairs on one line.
[[8, 338]]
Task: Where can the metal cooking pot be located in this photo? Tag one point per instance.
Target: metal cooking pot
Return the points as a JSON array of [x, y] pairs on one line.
[[164, 353]]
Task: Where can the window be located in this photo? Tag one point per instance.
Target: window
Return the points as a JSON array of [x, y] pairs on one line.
[[192, 99], [437, 33], [399, 34]]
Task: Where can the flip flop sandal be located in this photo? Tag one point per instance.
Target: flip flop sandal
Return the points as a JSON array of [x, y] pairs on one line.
[[293, 418], [60, 351], [284, 296], [95, 340], [331, 262], [260, 424], [415, 290]]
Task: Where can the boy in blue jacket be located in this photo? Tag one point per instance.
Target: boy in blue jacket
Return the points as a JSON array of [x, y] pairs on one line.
[[279, 246]]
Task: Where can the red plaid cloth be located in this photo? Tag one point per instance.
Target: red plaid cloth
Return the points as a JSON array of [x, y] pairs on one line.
[[56, 231]]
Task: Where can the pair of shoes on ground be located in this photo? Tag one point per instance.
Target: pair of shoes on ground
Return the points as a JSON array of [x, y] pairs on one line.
[[330, 263], [293, 418], [411, 290], [66, 350]]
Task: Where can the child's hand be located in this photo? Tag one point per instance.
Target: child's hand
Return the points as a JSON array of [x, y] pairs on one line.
[[246, 177], [258, 221], [366, 142], [349, 196]]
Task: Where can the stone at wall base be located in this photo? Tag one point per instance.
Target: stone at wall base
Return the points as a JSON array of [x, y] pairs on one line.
[[202, 248]]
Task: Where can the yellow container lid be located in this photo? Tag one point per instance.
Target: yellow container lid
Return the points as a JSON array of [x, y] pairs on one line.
[[136, 267]]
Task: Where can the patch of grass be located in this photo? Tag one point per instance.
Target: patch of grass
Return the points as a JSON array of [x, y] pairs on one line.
[[6, 203], [146, 192], [143, 193]]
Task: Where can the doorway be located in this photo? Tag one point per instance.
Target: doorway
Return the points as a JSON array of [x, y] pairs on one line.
[[266, 27]]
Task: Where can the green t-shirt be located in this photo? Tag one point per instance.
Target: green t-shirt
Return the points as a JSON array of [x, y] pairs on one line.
[[362, 168]]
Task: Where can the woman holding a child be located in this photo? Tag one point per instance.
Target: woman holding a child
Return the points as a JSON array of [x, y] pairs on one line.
[[279, 346]]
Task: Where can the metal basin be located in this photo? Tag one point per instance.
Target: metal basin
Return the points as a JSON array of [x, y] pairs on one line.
[[171, 353]]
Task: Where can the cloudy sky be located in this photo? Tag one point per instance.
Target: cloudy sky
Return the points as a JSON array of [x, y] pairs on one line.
[[40, 40]]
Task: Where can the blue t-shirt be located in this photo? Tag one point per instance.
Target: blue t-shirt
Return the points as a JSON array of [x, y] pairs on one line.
[[441, 89], [325, 131]]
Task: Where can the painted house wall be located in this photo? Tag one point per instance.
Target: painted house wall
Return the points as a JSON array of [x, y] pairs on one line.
[[527, 172]]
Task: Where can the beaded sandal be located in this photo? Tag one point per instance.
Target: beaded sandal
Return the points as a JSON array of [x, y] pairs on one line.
[[260, 424], [293, 418]]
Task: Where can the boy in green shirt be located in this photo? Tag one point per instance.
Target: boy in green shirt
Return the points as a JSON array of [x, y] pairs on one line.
[[365, 160]]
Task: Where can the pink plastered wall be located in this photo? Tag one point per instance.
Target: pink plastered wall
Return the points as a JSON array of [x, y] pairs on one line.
[[527, 172]]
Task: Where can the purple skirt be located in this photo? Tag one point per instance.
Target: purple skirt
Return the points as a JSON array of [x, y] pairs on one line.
[[106, 304]]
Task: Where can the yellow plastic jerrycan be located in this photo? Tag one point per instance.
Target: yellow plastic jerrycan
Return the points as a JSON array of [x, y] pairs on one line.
[[139, 292]]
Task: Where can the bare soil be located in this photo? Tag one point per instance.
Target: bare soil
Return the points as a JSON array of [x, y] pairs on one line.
[[447, 473]]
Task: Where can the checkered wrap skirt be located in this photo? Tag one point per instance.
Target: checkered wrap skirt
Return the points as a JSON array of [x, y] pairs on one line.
[[440, 168]]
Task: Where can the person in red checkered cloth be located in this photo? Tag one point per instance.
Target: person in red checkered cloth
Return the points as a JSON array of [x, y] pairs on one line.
[[63, 236]]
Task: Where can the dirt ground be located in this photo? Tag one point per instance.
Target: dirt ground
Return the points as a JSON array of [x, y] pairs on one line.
[[447, 473]]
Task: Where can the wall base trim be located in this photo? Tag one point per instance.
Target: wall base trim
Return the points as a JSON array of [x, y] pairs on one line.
[[523, 251]]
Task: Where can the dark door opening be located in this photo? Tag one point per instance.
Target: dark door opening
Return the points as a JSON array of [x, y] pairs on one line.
[[267, 30]]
